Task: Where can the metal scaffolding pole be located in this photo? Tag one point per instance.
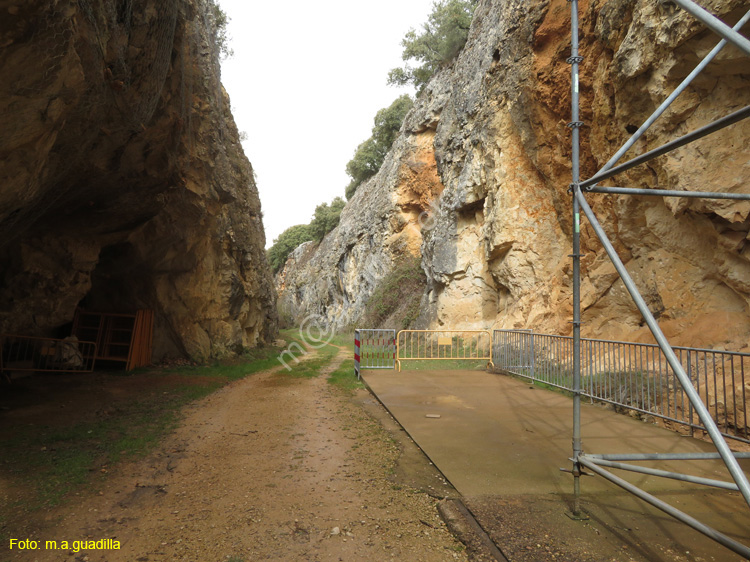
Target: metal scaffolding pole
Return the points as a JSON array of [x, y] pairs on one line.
[[665, 474], [670, 146], [580, 204], [664, 456], [700, 408], [710, 532], [671, 193], [673, 96], [575, 126], [715, 24]]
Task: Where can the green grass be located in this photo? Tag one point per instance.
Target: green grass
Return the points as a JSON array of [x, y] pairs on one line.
[[344, 377], [398, 292], [444, 365], [291, 335], [53, 461], [309, 365], [546, 386], [344, 339], [250, 362]]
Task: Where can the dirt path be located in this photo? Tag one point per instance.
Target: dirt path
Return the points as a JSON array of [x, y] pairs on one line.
[[268, 468]]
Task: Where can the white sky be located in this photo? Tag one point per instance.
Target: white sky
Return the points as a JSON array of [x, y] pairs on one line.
[[305, 82]]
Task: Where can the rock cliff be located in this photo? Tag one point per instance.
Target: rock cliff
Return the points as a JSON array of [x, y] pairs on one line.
[[123, 184], [496, 245]]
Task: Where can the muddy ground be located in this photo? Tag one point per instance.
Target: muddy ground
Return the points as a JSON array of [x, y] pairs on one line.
[[270, 467]]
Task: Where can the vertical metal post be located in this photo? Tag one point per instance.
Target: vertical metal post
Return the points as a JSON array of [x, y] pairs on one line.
[[3, 375], [690, 405], [393, 347], [533, 356], [356, 354], [575, 126]]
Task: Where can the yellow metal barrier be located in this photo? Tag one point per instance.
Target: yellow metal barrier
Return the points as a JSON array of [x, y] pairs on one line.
[[431, 345]]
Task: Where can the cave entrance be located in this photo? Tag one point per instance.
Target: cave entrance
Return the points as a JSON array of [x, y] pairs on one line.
[[114, 313]]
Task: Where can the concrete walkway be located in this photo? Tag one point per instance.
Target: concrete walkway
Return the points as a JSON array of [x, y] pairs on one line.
[[501, 444]]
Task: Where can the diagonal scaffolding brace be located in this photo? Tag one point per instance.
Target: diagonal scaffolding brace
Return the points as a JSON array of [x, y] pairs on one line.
[[717, 125], [715, 24], [673, 96], [596, 462]]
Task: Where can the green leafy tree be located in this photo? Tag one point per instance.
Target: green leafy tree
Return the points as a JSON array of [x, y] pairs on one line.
[[221, 37], [370, 155], [363, 166], [326, 218], [439, 42], [286, 243], [388, 123]]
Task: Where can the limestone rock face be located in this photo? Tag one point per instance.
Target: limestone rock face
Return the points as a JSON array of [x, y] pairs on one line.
[[503, 152], [496, 248], [328, 284], [123, 184]]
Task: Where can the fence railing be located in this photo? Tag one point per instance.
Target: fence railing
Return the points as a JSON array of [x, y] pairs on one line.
[[635, 376], [428, 345], [25, 353], [377, 348]]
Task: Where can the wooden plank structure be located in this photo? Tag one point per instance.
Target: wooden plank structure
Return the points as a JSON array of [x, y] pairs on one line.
[[120, 337], [143, 336]]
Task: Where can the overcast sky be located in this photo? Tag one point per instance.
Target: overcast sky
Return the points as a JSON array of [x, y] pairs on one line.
[[306, 81]]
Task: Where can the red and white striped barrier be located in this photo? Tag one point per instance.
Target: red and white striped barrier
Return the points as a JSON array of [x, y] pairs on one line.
[[356, 353]]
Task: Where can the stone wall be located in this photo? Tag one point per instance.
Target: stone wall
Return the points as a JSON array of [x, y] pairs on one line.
[[123, 184]]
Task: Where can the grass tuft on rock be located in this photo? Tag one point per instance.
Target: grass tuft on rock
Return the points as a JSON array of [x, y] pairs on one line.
[[397, 297]]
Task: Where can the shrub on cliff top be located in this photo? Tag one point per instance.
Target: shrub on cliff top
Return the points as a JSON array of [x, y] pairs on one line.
[[286, 243], [370, 155], [220, 34], [324, 220], [439, 42]]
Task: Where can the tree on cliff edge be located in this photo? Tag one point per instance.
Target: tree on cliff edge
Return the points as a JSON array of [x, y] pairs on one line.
[[286, 243], [326, 218], [439, 42], [370, 155]]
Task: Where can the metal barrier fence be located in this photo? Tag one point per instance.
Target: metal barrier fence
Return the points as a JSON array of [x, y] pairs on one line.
[[636, 376], [443, 345], [25, 353], [377, 348]]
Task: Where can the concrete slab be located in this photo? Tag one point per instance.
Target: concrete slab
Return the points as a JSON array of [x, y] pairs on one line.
[[501, 443]]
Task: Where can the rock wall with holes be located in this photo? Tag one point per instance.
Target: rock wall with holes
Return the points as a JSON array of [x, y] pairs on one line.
[[496, 248], [123, 184]]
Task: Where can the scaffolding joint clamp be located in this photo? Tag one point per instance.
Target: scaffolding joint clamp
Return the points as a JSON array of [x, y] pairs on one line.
[[574, 472], [577, 59], [572, 186]]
